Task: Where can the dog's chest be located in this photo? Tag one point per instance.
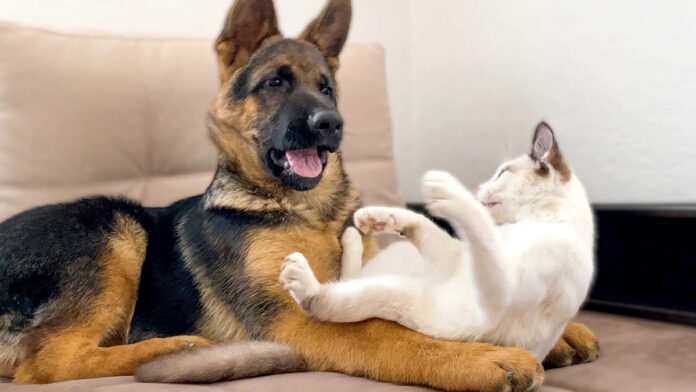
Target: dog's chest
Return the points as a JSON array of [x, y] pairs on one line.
[[269, 247], [323, 252]]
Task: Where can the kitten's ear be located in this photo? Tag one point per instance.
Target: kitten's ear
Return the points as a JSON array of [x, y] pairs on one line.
[[329, 31], [544, 142], [546, 153], [248, 24]]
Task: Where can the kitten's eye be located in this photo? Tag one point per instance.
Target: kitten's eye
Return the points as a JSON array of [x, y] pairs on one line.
[[326, 90], [274, 82], [501, 173]]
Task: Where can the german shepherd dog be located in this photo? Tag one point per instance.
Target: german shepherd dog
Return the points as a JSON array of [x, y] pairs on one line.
[[100, 286]]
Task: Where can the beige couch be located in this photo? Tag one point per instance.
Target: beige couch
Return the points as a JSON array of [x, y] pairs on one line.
[[82, 114]]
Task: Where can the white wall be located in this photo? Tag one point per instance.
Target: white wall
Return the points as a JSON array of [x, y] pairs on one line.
[[615, 78], [469, 79]]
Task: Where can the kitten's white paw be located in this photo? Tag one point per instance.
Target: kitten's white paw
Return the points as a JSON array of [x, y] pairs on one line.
[[378, 220], [443, 193], [441, 183], [297, 277]]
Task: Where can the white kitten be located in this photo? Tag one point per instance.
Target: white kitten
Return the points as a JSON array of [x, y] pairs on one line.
[[520, 274]]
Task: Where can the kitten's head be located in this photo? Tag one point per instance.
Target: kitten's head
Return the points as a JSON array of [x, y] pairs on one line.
[[529, 186]]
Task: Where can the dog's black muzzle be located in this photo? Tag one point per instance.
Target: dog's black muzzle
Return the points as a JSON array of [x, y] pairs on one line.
[[308, 130]]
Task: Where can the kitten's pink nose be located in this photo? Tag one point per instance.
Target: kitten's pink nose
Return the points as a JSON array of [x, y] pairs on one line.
[[478, 189]]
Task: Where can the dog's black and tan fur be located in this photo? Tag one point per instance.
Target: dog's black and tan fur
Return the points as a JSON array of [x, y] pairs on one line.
[[100, 286]]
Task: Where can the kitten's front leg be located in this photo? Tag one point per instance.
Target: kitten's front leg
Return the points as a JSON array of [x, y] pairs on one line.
[[446, 197], [348, 301]]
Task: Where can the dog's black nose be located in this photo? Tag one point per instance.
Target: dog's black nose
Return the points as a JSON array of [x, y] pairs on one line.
[[326, 121]]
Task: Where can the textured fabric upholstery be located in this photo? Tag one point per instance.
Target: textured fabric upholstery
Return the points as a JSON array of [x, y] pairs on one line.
[[637, 355], [85, 114]]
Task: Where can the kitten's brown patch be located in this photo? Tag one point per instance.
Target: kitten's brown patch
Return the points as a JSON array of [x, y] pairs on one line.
[[554, 158]]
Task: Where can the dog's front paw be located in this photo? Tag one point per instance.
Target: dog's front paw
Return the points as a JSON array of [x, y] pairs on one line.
[[443, 193], [297, 277], [521, 369]]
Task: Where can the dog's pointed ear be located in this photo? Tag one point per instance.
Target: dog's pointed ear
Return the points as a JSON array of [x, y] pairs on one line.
[[330, 30], [248, 24]]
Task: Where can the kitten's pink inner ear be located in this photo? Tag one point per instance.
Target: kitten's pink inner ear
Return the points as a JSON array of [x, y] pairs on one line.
[[543, 142]]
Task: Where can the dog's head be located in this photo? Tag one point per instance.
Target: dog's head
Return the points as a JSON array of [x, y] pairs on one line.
[[276, 115]]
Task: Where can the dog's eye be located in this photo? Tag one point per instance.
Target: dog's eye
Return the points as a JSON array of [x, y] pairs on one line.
[[326, 90], [274, 82]]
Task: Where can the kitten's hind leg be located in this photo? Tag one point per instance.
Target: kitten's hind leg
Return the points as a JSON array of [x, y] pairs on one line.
[[352, 256], [297, 277], [435, 244], [353, 300]]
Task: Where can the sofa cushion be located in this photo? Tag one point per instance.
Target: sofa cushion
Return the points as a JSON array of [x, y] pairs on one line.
[[637, 355], [85, 114], [297, 382], [304, 382]]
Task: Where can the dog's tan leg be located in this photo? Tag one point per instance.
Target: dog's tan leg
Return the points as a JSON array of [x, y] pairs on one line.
[[577, 345], [75, 350], [385, 351], [74, 355]]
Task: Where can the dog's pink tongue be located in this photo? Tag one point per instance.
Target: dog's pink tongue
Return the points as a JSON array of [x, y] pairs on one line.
[[305, 163]]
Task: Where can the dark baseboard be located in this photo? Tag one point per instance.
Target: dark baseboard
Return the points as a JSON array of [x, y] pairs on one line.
[[645, 312], [646, 261]]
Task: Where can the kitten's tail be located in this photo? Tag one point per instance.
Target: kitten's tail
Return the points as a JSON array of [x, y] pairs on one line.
[[222, 362]]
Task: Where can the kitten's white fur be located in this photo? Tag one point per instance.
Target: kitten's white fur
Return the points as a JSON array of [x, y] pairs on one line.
[[519, 276]]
